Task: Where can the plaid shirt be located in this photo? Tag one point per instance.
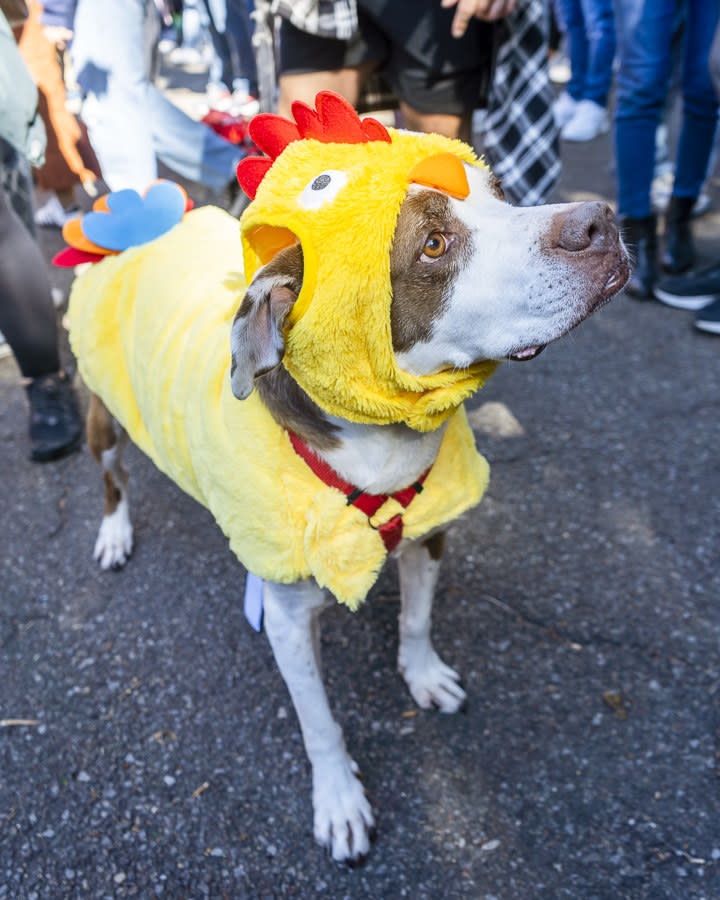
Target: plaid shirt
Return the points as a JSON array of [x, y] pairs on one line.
[[520, 138], [326, 18]]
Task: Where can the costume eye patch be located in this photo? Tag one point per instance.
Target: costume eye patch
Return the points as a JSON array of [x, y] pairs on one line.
[[322, 189]]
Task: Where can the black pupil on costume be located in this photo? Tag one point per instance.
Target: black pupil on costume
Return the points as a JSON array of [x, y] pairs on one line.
[[322, 181]]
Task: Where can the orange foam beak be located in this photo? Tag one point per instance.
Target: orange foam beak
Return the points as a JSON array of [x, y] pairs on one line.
[[444, 172], [73, 235]]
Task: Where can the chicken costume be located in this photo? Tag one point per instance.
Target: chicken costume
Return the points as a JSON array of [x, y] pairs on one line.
[[151, 330]]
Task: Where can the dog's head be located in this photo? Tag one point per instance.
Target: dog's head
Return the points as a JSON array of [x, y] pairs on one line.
[[390, 277]]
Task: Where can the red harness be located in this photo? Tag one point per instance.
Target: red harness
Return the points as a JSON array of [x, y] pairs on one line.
[[390, 531]]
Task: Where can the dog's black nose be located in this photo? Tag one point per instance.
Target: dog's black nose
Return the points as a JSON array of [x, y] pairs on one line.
[[587, 225]]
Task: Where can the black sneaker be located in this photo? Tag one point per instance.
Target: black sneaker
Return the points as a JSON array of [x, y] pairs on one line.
[[708, 319], [691, 291], [55, 424]]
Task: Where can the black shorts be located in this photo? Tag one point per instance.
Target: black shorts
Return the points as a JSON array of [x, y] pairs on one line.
[[426, 67]]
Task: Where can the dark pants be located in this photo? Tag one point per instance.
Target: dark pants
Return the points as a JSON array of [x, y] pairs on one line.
[[27, 315]]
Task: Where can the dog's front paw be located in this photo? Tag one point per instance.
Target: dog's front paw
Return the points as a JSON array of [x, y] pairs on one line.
[[431, 682], [115, 539], [344, 822]]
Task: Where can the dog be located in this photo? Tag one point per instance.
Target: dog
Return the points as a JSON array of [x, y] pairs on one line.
[[471, 281]]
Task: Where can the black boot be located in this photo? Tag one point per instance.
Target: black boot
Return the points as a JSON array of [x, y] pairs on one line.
[[55, 423], [679, 254], [640, 235]]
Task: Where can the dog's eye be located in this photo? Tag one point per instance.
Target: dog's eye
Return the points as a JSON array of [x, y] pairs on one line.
[[322, 189], [435, 246]]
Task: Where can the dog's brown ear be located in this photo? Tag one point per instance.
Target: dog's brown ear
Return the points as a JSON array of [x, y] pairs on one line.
[[257, 341]]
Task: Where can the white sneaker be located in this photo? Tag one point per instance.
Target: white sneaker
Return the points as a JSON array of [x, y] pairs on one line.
[[244, 104], [559, 68], [52, 214], [564, 109], [218, 96], [661, 191], [589, 121]]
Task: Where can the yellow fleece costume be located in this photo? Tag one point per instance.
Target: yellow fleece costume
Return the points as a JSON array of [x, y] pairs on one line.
[[151, 331]]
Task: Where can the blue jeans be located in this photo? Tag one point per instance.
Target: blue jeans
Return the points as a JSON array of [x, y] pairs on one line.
[[642, 84], [231, 30], [131, 124], [590, 29]]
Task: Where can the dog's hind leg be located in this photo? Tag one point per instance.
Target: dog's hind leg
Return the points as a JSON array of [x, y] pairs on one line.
[[107, 441], [343, 817], [431, 682]]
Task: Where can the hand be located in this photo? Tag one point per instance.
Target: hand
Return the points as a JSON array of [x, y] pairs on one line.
[[58, 36], [489, 10]]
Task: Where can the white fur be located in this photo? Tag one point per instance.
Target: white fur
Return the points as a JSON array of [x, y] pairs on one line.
[[343, 817], [431, 682], [382, 459], [114, 542]]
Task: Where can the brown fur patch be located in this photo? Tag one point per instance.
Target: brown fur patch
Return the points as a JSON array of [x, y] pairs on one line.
[[421, 289], [435, 545], [100, 428], [112, 493], [292, 408], [496, 187]]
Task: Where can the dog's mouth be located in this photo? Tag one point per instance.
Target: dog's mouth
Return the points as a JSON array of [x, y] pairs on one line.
[[527, 353], [617, 279], [614, 283]]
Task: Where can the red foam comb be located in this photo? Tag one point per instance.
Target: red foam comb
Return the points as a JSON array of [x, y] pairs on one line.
[[332, 121]]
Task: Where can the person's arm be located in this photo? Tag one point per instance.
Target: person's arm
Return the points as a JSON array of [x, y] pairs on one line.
[[489, 10]]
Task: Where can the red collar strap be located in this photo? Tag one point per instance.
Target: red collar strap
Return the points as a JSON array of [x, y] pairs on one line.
[[390, 531]]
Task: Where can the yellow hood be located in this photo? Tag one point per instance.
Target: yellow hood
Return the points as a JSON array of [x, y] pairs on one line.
[[338, 340]]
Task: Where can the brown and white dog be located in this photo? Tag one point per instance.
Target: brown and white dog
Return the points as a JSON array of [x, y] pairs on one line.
[[472, 280]]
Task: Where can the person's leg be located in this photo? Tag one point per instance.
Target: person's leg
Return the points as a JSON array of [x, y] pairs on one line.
[[642, 81], [188, 147], [451, 126], [600, 33], [112, 68], [439, 79], [27, 314], [131, 123], [589, 118], [572, 22], [641, 84], [625, 14], [27, 319], [120, 132], [714, 62], [221, 69], [308, 64], [700, 102], [305, 86], [239, 32], [700, 108]]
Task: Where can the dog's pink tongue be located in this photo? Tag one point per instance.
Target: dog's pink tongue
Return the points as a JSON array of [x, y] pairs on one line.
[[528, 353]]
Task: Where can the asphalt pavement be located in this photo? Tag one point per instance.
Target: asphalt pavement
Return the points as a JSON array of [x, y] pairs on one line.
[[161, 755]]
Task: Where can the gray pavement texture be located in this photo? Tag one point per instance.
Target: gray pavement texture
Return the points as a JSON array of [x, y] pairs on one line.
[[580, 601]]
